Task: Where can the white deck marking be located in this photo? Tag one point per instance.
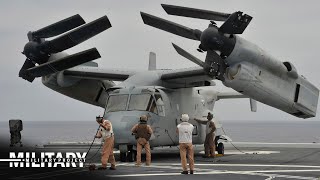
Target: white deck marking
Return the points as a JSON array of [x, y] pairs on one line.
[[255, 165], [246, 152], [251, 173], [270, 177]]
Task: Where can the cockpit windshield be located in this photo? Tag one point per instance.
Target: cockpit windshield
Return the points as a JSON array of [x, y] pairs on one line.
[[137, 102], [142, 102], [117, 103]]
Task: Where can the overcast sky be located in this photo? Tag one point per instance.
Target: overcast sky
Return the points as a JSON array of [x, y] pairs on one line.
[[287, 29]]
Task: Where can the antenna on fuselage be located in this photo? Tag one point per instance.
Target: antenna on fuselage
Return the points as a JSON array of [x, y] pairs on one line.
[[152, 61]]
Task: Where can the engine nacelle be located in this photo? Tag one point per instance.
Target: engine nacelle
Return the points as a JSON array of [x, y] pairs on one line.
[[296, 96], [239, 77]]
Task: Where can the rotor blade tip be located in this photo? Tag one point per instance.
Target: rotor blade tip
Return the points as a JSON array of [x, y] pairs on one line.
[[164, 5], [174, 45], [143, 14], [107, 20]]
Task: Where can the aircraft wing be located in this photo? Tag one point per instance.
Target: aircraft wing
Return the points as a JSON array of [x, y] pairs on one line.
[[186, 76], [235, 95], [85, 72], [230, 95]]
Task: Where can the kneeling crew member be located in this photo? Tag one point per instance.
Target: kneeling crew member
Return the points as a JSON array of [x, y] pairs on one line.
[[185, 143], [142, 133], [106, 133]]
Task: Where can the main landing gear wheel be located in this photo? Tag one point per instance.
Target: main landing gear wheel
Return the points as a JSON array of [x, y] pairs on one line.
[[131, 156], [123, 156], [220, 148], [128, 156]]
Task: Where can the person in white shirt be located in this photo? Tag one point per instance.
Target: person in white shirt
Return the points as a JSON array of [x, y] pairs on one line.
[[106, 133], [185, 143], [209, 143]]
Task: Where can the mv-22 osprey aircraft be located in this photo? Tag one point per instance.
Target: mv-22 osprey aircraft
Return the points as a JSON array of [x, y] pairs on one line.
[[165, 94]]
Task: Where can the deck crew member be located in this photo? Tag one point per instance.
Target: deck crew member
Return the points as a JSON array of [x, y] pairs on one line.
[[185, 143], [106, 133], [209, 143], [142, 133]]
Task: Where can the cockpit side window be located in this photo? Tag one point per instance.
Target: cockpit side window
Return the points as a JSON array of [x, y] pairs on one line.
[[153, 106], [159, 104], [117, 103]]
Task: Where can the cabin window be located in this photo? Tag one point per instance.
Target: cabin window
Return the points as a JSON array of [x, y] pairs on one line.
[[117, 103]]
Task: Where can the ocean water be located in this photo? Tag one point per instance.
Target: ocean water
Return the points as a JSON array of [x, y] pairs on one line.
[[42, 132]]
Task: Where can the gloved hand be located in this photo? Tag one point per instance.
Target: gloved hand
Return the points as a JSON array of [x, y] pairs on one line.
[[97, 136]]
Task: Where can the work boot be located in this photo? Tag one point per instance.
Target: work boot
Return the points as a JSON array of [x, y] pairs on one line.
[[102, 168], [184, 172], [206, 156], [191, 171]]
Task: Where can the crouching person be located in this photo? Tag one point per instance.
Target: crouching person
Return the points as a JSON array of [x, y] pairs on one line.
[[185, 142], [106, 133]]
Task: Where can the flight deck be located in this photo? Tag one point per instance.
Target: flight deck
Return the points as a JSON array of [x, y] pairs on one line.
[[244, 160]]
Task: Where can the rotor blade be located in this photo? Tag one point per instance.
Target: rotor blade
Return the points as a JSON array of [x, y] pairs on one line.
[[195, 13], [22, 73], [187, 55], [64, 63], [171, 26], [59, 27], [236, 23], [77, 36]]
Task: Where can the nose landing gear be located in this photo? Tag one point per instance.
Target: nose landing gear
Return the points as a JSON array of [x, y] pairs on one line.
[[220, 148], [220, 145]]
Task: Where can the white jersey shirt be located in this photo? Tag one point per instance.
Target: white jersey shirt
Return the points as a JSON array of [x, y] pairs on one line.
[[106, 134], [185, 132], [208, 129]]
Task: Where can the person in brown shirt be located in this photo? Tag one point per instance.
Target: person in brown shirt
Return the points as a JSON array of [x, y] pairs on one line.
[[209, 143], [142, 133]]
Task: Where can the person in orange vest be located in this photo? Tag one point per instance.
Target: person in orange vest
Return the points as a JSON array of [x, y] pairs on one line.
[[106, 133], [142, 133], [209, 143], [184, 130]]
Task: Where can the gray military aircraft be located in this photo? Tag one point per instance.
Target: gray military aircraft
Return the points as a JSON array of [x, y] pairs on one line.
[[165, 94]]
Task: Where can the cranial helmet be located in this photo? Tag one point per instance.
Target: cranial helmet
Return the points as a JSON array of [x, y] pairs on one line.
[[143, 118], [185, 117]]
